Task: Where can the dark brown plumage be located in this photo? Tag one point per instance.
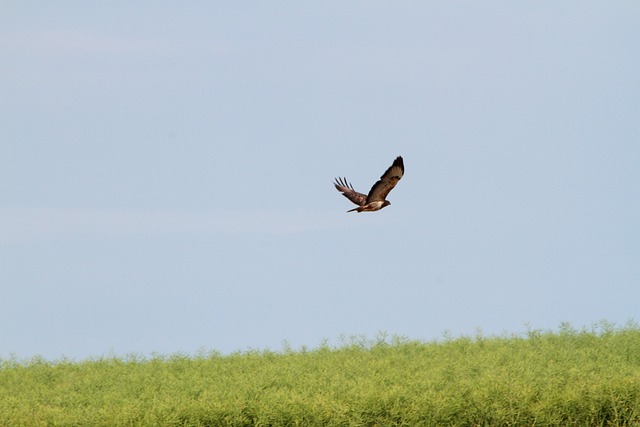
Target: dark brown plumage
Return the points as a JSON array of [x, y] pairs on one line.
[[376, 199]]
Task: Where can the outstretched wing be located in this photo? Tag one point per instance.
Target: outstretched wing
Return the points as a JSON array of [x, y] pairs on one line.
[[347, 191], [388, 180]]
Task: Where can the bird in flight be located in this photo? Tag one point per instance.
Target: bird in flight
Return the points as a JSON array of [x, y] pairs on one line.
[[376, 199]]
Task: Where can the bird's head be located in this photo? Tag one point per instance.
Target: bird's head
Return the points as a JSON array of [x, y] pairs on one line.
[[386, 203]]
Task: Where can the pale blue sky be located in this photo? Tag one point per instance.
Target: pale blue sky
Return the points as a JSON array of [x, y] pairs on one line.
[[166, 168]]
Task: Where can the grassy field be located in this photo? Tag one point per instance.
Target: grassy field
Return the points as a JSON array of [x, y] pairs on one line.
[[568, 377]]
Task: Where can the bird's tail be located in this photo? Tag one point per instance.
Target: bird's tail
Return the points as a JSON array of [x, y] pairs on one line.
[[358, 209]]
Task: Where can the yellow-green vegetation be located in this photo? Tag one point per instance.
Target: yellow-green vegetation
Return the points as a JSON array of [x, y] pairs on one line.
[[569, 377]]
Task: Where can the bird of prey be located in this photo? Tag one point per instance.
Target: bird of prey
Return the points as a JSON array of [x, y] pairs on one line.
[[376, 199]]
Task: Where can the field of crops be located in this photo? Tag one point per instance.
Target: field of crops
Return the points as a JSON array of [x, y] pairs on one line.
[[567, 377]]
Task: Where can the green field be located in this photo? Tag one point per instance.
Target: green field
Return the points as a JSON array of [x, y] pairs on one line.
[[588, 377]]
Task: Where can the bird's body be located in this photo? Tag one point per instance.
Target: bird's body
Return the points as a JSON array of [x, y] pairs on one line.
[[376, 199], [371, 207]]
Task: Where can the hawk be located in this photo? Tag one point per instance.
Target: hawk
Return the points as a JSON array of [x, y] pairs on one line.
[[375, 200]]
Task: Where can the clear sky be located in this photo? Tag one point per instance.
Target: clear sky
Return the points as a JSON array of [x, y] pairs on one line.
[[166, 169]]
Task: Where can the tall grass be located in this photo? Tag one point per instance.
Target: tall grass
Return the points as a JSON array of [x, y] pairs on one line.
[[568, 377]]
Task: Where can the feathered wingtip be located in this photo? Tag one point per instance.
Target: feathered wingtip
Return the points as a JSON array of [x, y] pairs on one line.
[[399, 162], [342, 182]]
